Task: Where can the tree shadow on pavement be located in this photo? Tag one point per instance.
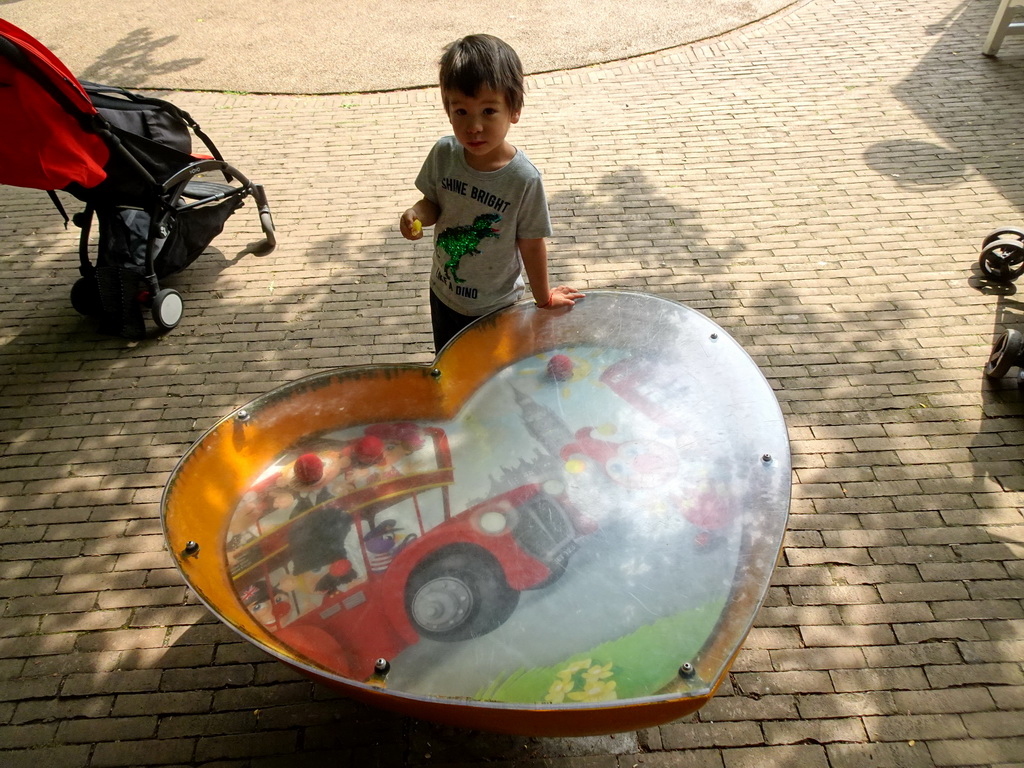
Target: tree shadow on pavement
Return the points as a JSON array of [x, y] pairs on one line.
[[131, 61], [975, 110], [974, 104], [623, 234]]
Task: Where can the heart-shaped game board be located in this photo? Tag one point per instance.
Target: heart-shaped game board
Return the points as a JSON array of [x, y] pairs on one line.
[[565, 526]]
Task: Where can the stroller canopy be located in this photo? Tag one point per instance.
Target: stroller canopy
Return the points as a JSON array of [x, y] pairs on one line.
[[44, 140]]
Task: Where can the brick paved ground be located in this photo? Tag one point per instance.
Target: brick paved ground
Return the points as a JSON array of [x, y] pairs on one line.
[[818, 184]]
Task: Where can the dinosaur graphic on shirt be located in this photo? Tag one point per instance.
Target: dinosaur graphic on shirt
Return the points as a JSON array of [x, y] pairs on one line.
[[460, 241]]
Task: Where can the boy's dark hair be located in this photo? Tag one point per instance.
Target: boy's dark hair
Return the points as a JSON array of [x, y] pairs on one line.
[[477, 61]]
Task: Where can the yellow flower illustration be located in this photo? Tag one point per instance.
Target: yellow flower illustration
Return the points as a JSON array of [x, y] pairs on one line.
[[597, 673], [591, 678], [595, 691], [575, 667], [559, 689]]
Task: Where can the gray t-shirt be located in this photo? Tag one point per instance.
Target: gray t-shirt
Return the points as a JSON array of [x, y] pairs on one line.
[[477, 268]]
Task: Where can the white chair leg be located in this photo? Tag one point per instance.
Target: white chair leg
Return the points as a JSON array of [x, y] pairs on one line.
[[1001, 25]]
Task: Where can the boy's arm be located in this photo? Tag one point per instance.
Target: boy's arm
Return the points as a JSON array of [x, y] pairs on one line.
[[425, 211], [535, 259]]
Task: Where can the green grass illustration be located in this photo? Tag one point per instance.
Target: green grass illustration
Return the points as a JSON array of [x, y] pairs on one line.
[[639, 664]]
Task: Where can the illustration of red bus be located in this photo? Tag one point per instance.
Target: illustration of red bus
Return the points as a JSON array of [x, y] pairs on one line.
[[348, 552]]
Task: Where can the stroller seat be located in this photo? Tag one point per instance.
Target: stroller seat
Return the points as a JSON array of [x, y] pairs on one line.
[[198, 190], [129, 158]]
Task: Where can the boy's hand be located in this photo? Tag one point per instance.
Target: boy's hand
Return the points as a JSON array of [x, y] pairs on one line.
[[562, 296], [410, 225]]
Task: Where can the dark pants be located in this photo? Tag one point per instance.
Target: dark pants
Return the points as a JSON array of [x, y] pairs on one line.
[[445, 321]]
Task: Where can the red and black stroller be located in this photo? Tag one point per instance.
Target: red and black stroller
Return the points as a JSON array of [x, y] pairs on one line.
[[129, 159]]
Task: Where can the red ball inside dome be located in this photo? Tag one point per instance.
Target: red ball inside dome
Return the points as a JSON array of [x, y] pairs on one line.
[[309, 468], [560, 368]]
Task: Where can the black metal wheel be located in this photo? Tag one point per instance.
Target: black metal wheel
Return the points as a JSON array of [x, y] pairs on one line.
[[85, 297], [1003, 233], [1003, 259], [458, 594], [167, 308], [1006, 353]]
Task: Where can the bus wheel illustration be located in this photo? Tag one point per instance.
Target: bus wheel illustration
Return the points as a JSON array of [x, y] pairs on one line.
[[458, 594]]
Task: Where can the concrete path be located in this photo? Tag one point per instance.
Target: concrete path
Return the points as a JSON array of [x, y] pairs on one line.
[[819, 184], [330, 46]]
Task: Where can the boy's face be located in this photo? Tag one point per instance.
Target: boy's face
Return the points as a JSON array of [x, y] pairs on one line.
[[481, 122]]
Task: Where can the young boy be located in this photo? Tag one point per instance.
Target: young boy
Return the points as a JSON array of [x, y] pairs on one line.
[[484, 196]]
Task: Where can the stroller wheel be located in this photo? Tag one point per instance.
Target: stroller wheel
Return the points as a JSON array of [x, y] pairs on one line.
[[1003, 233], [85, 297], [167, 308], [1006, 353], [1003, 259]]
